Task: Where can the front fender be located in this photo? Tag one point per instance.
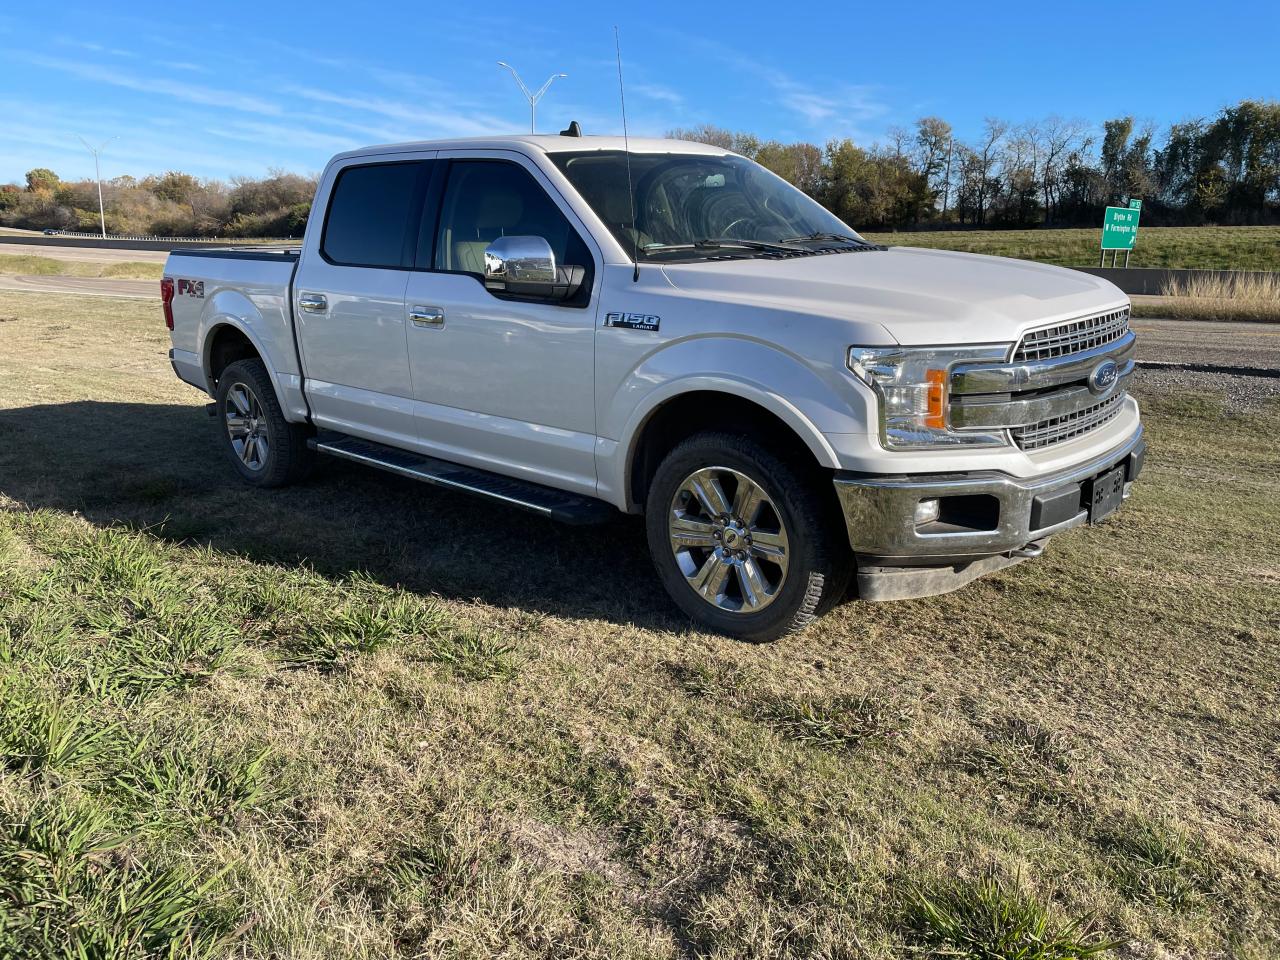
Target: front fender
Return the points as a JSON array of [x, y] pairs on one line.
[[810, 403]]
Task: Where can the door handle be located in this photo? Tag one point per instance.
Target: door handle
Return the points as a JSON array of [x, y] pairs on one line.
[[427, 316], [313, 302]]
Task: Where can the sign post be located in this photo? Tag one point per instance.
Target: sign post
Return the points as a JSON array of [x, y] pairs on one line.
[[1119, 232]]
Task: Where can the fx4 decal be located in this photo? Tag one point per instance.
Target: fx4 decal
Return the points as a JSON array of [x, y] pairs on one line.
[[191, 288], [633, 321]]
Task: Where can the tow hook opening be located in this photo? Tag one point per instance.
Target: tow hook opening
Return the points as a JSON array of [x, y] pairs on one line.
[[1028, 552]]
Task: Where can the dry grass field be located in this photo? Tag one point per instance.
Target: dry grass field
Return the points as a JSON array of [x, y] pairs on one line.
[[363, 718], [1251, 297]]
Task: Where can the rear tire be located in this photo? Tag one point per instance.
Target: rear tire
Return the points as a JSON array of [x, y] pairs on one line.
[[744, 541], [265, 448]]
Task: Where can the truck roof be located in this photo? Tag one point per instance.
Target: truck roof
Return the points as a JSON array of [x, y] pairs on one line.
[[547, 143]]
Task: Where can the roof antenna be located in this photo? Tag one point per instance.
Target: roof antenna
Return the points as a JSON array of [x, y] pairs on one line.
[[626, 149]]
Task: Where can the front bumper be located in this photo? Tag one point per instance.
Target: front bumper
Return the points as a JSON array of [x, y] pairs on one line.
[[986, 517]]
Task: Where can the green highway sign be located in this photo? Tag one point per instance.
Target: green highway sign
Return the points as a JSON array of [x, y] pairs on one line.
[[1119, 228], [1135, 204]]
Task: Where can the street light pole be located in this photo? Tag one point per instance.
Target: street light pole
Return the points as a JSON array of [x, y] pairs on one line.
[[533, 98], [97, 175]]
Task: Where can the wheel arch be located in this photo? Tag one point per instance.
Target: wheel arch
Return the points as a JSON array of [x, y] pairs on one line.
[[228, 340], [225, 344], [703, 406]]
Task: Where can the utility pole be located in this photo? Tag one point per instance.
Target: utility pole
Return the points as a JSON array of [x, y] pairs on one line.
[[533, 98], [97, 175]]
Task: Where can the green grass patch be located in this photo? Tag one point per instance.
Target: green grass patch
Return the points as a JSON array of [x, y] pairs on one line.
[[71, 886], [40, 733], [1157, 862], [841, 722], [193, 782], [1021, 756], [31, 265], [991, 919], [1207, 248]]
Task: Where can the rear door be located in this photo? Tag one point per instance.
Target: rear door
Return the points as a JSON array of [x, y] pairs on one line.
[[349, 297], [499, 382]]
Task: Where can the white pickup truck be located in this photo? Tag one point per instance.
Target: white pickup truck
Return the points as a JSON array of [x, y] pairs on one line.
[[576, 326]]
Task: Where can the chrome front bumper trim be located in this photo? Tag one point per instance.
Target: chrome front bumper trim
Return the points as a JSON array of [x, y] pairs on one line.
[[1015, 376], [987, 413], [879, 510]]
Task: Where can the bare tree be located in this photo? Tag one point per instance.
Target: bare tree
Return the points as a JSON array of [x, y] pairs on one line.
[[931, 156], [987, 152], [1056, 140]]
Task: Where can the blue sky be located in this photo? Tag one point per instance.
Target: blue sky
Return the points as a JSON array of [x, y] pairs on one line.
[[238, 88]]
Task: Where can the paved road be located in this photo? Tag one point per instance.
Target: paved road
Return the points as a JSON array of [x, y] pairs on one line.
[[96, 286], [88, 254], [1254, 346]]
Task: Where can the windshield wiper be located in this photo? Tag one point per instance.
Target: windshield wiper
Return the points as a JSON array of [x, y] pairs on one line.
[[843, 238], [726, 243]]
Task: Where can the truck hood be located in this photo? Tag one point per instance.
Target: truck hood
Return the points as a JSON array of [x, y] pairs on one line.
[[919, 296]]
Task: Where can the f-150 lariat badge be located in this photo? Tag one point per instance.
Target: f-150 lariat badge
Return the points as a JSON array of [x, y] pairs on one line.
[[633, 321]]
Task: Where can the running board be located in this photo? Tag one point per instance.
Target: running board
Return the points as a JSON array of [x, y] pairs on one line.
[[547, 501]]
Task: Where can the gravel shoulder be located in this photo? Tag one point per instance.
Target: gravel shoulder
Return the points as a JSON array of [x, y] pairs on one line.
[[1203, 343]]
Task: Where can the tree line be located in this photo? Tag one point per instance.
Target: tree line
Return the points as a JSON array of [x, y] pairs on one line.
[[173, 204], [1054, 172]]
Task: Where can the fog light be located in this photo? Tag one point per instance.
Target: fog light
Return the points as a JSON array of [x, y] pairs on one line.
[[926, 511]]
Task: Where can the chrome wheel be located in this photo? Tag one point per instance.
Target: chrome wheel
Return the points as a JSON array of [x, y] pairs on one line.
[[247, 427], [728, 539]]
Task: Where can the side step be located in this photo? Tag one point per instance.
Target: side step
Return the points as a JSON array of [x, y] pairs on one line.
[[547, 501]]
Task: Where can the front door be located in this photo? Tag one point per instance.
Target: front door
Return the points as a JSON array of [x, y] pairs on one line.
[[349, 301], [501, 383]]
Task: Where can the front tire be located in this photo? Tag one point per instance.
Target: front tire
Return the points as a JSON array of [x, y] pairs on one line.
[[265, 448], [744, 541]]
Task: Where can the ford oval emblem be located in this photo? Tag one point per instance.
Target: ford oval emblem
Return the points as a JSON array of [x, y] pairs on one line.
[[1104, 376]]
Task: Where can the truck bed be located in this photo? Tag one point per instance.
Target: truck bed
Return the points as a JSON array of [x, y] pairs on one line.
[[236, 292], [239, 253]]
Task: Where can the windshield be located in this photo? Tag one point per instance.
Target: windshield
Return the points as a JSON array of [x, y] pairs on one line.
[[691, 206]]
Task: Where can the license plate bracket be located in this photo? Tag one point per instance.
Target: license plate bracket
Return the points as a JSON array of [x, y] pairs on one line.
[[1106, 493]]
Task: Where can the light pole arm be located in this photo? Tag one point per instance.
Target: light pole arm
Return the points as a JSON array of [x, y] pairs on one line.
[[546, 86], [519, 82]]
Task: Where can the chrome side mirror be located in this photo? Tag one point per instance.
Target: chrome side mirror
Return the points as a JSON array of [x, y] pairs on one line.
[[518, 260], [525, 267]]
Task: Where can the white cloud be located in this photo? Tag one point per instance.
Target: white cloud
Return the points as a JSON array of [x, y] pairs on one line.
[[655, 91], [191, 93], [258, 132], [176, 65], [94, 47], [848, 106], [841, 109], [429, 122]]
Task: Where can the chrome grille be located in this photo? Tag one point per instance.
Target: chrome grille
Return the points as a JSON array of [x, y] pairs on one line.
[[1057, 429], [1074, 337]]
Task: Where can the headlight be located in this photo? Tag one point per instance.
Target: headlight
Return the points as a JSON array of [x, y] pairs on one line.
[[912, 384]]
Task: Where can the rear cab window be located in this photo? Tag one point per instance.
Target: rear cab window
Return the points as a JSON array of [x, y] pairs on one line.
[[372, 212]]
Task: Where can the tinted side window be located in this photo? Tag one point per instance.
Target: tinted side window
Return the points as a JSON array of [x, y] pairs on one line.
[[488, 199], [369, 213]]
